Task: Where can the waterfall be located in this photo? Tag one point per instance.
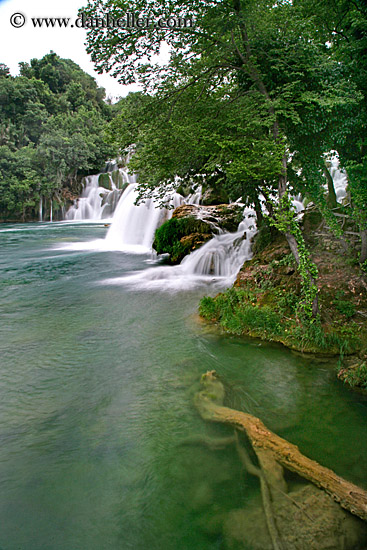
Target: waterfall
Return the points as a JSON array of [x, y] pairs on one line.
[[89, 205], [339, 178], [224, 254], [195, 197], [41, 209], [96, 201], [216, 262], [133, 226]]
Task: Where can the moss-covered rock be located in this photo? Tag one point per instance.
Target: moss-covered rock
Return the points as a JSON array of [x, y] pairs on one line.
[[212, 197], [220, 217], [118, 180], [110, 200], [104, 181], [191, 226], [180, 236]]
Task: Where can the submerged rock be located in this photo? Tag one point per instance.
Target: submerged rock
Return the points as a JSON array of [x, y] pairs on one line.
[[308, 519]]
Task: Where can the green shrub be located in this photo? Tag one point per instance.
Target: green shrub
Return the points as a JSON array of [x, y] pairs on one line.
[[288, 260], [345, 308], [237, 312], [266, 234], [168, 235], [208, 308], [233, 311]]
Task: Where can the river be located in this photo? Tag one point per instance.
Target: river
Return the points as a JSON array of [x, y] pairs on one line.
[[97, 381]]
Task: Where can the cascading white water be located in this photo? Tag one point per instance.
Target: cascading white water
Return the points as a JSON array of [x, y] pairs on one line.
[[96, 202], [224, 254], [216, 262], [89, 205], [195, 197], [133, 226], [41, 209], [339, 178]]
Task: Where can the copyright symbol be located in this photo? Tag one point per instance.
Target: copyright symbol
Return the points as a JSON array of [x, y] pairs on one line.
[[17, 20]]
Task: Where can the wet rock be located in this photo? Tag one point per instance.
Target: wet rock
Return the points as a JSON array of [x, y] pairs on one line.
[[191, 226], [214, 196], [104, 181], [220, 217], [181, 235], [109, 201]]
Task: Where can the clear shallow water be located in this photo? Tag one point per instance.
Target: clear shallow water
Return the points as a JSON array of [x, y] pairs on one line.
[[96, 389]]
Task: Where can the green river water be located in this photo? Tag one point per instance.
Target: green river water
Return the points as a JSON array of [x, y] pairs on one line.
[[96, 404]]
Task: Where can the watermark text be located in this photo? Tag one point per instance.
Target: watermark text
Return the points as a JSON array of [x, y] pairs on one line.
[[128, 21]]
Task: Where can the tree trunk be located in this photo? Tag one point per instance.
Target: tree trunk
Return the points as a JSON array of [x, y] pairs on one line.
[[282, 187], [332, 202], [259, 214], [209, 402], [363, 255]]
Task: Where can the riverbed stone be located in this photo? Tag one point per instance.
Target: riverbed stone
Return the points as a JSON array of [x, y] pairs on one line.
[[308, 519]]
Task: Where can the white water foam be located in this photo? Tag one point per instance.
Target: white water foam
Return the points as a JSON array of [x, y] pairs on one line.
[[216, 263], [339, 178], [96, 203]]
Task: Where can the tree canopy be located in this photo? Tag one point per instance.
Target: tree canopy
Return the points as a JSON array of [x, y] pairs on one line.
[[52, 126], [253, 95]]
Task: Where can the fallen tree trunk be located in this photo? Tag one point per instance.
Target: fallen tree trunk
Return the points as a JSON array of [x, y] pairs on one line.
[[209, 402]]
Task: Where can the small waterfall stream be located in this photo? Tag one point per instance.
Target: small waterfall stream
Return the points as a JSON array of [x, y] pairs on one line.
[[216, 263], [88, 206], [224, 254], [339, 178]]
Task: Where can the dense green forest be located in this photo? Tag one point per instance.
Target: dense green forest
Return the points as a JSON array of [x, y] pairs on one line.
[[52, 132]]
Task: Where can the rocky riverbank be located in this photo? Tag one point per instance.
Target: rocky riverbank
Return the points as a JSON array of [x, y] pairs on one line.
[[265, 301]]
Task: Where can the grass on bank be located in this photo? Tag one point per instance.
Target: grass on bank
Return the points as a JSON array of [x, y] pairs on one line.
[[355, 376], [237, 312]]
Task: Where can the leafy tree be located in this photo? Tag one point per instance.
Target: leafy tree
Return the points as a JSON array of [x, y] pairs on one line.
[[20, 183], [343, 25], [4, 71], [266, 58], [52, 127]]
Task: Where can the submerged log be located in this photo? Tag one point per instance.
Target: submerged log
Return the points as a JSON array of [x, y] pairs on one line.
[[209, 402]]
